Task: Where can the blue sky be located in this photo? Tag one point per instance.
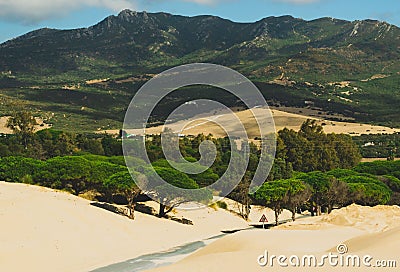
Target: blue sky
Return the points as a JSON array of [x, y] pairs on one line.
[[20, 16]]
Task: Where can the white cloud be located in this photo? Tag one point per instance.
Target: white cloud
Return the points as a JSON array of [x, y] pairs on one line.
[[298, 1], [33, 11], [211, 2], [203, 2]]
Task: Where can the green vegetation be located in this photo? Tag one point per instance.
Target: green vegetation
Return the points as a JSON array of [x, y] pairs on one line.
[[273, 194], [222, 205], [123, 183], [22, 124], [380, 168], [318, 190], [52, 143], [319, 183], [379, 145], [280, 194], [289, 59], [324, 178], [368, 190], [51, 73], [169, 199], [311, 149]]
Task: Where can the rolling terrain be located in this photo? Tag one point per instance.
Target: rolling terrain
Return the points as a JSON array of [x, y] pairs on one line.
[[83, 79], [213, 124]]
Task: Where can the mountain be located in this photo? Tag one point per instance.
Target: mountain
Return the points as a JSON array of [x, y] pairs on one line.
[[351, 68]]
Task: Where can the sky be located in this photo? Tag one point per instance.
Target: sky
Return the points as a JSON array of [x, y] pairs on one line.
[[18, 17]]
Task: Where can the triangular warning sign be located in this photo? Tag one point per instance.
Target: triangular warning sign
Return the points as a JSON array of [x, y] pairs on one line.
[[263, 218]]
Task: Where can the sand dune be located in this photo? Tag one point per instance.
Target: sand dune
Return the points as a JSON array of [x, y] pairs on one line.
[[382, 244], [368, 219], [364, 230], [208, 124], [240, 251], [43, 230]]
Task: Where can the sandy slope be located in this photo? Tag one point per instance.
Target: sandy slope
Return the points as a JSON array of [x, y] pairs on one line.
[[364, 230], [4, 129], [207, 124], [43, 230], [376, 159]]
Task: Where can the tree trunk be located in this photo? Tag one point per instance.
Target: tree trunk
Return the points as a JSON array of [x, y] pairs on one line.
[[293, 214], [131, 209], [161, 212], [319, 210], [276, 217], [247, 211], [330, 208], [244, 210], [109, 197], [75, 187]]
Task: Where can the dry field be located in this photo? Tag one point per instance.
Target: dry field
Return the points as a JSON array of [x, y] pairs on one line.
[[218, 124], [4, 129]]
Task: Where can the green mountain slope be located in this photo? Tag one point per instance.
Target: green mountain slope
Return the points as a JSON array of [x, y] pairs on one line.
[[351, 68]]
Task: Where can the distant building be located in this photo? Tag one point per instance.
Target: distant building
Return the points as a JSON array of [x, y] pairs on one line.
[[369, 144]]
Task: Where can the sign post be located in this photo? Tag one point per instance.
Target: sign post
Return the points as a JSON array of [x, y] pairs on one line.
[[263, 219]]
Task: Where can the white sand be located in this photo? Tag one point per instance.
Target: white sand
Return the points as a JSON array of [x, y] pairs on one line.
[[364, 230], [368, 219], [43, 230]]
